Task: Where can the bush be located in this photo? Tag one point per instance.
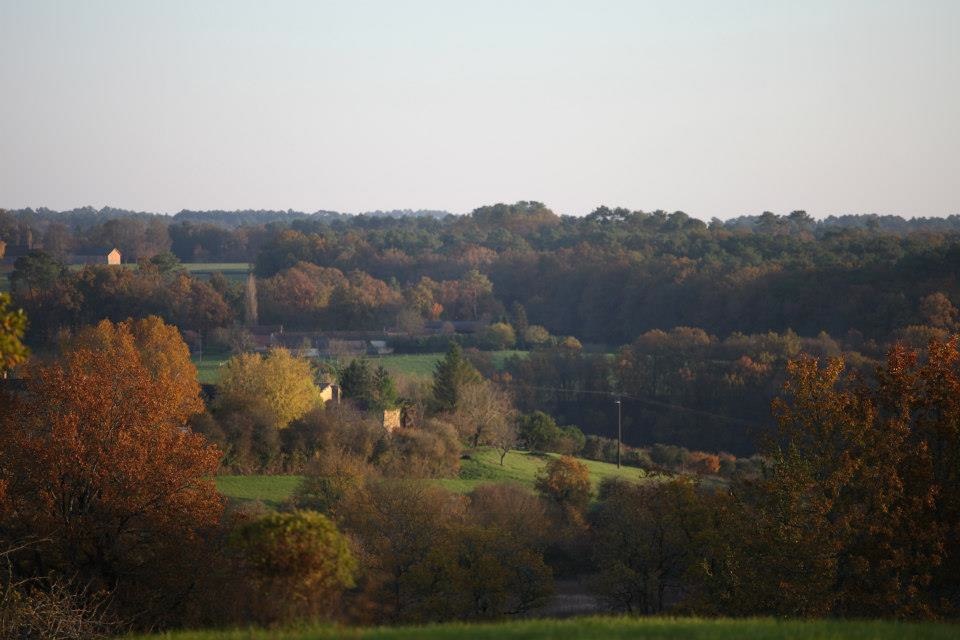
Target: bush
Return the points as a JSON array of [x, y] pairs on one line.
[[570, 442], [430, 451], [667, 455], [702, 463]]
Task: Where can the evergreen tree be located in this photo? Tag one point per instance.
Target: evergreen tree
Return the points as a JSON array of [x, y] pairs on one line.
[[450, 376]]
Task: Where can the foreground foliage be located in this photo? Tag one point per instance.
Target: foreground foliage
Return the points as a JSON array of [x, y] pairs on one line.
[[98, 472]]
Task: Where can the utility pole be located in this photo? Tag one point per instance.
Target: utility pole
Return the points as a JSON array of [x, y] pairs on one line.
[[619, 431]]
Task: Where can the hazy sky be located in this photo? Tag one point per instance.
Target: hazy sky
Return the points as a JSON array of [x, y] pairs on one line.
[[717, 108]]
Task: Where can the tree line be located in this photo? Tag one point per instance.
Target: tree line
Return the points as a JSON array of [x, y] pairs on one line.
[[604, 278]]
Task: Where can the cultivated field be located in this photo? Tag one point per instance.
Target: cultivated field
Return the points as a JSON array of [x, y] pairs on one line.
[[607, 628], [482, 466]]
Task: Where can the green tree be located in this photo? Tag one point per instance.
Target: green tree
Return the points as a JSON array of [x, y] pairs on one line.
[[450, 376], [538, 431], [165, 262], [369, 389], [519, 321], [35, 272]]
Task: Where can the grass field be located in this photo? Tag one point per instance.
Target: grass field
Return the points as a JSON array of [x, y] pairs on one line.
[[419, 364], [483, 466], [608, 628], [208, 371], [270, 490], [422, 364]]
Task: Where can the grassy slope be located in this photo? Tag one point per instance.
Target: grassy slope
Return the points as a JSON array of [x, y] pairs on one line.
[[602, 628], [522, 467], [483, 466]]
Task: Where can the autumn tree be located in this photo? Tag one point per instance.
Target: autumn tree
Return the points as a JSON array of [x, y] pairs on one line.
[[565, 483], [278, 383], [296, 566], [427, 559], [100, 467], [399, 525], [858, 511], [484, 415], [646, 540]]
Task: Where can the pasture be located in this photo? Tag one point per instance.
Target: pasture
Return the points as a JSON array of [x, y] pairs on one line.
[[606, 628]]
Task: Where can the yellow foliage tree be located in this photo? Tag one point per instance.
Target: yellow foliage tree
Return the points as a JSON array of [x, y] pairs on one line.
[[278, 382]]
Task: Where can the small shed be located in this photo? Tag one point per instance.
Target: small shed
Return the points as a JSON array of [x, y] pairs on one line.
[[114, 256]]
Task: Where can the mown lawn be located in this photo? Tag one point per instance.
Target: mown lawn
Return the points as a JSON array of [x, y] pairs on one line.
[[607, 628], [483, 466]]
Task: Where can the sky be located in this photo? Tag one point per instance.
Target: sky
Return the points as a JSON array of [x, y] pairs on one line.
[[716, 108]]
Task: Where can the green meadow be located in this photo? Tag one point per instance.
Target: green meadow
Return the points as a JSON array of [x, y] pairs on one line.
[[606, 628]]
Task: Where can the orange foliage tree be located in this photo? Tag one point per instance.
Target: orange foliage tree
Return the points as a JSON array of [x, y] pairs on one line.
[[100, 467], [859, 514]]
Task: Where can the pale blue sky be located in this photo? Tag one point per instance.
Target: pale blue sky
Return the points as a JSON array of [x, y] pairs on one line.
[[716, 108]]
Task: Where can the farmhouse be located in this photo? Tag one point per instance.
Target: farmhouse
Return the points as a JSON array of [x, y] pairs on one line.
[[107, 257]]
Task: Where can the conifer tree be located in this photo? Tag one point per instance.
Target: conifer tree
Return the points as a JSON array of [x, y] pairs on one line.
[[450, 376]]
